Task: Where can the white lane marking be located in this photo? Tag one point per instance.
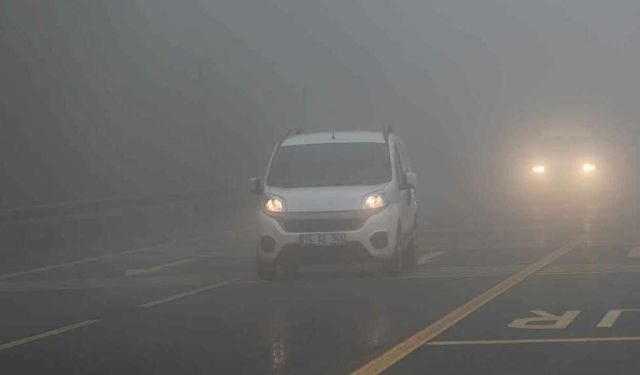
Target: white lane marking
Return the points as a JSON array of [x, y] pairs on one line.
[[428, 248], [179, 296], [506, 269], [113, 255], [635, 252], [162, 267], [19, 286], [429, 257], [44, 335], [462, 272], [590, 268], [534, 341]]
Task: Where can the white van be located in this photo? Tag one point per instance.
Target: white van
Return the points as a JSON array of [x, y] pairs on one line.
[[341, 196]]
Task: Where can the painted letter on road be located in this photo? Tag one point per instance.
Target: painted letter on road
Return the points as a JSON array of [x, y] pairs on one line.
[[544, 320], [612, 317]]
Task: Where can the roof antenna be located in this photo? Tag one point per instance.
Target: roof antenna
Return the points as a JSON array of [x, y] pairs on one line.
[[333, 134]]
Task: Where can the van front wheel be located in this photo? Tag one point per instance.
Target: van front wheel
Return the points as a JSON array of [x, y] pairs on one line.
[[266, 270], [412, 250], [395, 265]]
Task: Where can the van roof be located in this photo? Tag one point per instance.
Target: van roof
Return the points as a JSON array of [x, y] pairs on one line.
[[340, 137]]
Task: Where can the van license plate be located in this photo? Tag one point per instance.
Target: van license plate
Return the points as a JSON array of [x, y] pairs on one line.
[[323, 239]]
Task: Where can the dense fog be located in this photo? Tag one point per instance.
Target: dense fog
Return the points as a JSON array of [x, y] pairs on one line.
[[121, 98]]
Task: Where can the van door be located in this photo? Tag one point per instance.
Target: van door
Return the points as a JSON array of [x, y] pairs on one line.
[[404, 196], [413, 203]]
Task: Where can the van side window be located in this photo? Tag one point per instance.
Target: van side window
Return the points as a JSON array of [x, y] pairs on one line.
[[405, 158]]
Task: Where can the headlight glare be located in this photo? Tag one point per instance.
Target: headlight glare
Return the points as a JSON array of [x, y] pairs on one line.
[[588, 167], [375, 201], [273, 204], [538, 169]]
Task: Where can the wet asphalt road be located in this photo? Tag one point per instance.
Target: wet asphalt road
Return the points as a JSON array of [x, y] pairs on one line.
[[195, 306]]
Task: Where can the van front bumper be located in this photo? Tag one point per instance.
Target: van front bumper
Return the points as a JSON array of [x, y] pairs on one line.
[[370, 236]]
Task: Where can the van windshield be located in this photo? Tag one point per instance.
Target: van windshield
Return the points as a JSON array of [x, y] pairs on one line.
[[330, 164]]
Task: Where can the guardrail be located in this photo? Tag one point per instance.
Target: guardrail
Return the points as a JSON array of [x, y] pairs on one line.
[[87, 206]]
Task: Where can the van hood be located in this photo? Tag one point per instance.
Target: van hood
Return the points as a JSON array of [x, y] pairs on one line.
[[325, 198]]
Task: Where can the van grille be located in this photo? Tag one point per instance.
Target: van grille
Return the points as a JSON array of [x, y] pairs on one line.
[[321, 225], [317, 222], [347, 253]]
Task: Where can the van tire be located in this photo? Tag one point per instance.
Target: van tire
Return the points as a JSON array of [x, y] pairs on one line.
[[288, 270], [266, 270], [411, 253], [395, 265]]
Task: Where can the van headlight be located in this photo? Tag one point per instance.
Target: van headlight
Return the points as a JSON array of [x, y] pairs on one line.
[[273, 204], [375, 201]]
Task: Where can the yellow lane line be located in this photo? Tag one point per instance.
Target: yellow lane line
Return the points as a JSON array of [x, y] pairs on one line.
[[397, 353], [535, 341], [154, 269], [44, 335], [183, 295]]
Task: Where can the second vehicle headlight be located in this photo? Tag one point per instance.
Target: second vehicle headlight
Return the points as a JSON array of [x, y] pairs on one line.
[[588, 167], [374, 201], [538, 169]]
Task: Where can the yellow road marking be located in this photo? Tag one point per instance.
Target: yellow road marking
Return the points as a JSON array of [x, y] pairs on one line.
[[414, 342], [183, 295], [44, 335], [154, 269], [535, 341]]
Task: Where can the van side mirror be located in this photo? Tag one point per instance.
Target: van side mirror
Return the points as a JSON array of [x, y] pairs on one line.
[[255, 186], [410, 181]]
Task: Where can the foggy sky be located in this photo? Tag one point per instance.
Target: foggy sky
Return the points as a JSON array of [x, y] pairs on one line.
[[111, 98]]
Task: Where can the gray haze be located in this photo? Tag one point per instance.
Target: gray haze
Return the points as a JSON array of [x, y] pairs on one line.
[[119, 98]]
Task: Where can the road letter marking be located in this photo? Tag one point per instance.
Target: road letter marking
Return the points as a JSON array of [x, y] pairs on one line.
[[635, 252], [612, 317], [427, 334], [544, 320]]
